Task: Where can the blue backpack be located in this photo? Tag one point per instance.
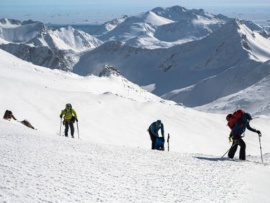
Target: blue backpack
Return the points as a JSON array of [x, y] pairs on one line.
[[159, 144]]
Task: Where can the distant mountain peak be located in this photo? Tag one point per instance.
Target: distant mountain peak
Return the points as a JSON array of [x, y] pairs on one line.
[[160, 10], [108, 70], [30, 22], [5, 21], [33, 41], [178, 13]]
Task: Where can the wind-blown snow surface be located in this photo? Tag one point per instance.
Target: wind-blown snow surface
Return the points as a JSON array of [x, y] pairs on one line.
[[37, 167], [112, 161]]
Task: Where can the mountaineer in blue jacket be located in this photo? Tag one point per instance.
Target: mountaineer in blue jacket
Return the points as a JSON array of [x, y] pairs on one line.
[[153, 131], [236, 135]]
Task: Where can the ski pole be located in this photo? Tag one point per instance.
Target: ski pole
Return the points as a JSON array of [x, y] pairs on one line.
[[168, 139], [229, 149], [78, 130], [60, 126], [260, 146]]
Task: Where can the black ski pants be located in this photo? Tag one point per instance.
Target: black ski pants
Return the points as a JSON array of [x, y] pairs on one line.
[[153, 139], [67, 125], [242, 153]]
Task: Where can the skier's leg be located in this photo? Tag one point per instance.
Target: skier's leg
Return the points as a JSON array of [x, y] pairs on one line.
[[242, 154], [71, 129], [66, 128], [232, 150], [153, 139], [154, 142]]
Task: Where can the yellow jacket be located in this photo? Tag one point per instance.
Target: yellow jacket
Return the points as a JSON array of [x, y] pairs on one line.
[[68, 113]]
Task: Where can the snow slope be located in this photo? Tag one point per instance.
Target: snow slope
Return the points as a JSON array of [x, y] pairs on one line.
[[112, 160], [37, 167], [135, 28], [109, 108], [253, 98]]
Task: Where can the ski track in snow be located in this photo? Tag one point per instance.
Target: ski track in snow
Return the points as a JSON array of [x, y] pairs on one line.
[[36, 167]]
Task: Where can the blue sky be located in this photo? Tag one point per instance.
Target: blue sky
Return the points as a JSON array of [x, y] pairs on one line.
[[98, 11]]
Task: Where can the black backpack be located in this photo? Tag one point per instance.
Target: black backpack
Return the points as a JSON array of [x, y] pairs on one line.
[[73, 119]]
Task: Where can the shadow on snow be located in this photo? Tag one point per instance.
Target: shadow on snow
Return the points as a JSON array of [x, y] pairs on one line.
[[213, 158]]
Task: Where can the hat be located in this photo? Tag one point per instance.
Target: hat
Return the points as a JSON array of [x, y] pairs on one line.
[[248, 116], [228, 117], [68, 105]]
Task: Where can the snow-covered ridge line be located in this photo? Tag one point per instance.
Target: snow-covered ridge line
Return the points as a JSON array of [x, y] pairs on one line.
[[53, 48]]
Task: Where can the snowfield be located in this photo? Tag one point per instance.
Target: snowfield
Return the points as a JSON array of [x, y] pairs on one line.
[[37, 167], [112, 160]]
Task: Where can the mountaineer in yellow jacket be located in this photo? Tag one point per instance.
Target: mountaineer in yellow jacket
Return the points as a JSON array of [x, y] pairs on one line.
[[70, 117]]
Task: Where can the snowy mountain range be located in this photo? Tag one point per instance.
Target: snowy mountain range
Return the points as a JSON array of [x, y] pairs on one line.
[[224, 58], [53, 48], [160, 27], [163, 27], [189, 56]]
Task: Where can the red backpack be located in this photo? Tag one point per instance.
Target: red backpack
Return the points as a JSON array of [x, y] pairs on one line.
[[237, 115]]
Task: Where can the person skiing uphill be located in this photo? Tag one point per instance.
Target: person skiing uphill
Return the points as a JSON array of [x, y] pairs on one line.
[[69, 118], [238, 127], [153, 131]]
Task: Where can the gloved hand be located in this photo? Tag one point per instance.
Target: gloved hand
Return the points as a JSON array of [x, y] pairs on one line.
[[230, 139], [76, 119], [259, 133], [61, 116]]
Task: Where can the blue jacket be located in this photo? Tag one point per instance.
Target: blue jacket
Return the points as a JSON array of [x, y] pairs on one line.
[[241, 126], [154, 128]]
